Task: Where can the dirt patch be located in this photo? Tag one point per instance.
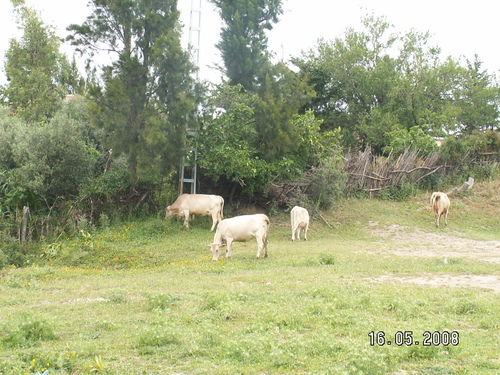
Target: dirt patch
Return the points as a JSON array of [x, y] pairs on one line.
[[445, 246], [417, 243], [491, 282]]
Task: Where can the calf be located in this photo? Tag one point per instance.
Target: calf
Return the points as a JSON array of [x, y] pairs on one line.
[[241, 229]]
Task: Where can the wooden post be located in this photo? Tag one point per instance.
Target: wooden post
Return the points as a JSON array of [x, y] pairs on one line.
[[24, 224]]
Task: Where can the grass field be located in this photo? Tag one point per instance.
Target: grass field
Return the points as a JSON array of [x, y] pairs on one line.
[[146, 298]]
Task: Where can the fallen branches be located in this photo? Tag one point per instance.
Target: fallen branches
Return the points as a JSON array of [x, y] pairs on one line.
[[374, 173]]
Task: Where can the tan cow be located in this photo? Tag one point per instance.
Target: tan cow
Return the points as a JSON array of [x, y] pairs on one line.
[[300, 222], [199, 205], [440, 204], [241, 229]]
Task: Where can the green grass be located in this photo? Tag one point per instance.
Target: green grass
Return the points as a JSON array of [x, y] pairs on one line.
[[146, 298]]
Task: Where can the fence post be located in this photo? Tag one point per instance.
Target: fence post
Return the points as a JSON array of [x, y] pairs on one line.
[[24, 224]]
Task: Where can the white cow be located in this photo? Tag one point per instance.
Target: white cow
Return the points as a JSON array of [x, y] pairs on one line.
[[440, 204], [300, 222], [241, 229], [197, 204]]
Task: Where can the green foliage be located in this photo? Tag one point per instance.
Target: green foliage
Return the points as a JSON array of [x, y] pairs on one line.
[[327, 181], [44, 163], [148, 97], [415, 138], [475, 155], [3, 260], [236, 146], [243, 42], [374, 82], [161, 301], [27, 332], [280, 97], [227, 144], [36, 95]]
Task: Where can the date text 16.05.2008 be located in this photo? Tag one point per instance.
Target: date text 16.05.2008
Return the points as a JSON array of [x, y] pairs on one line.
[[408, 338]]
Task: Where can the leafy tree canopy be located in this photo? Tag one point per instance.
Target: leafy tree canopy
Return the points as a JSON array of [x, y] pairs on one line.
[[38, 75], [375, 83]]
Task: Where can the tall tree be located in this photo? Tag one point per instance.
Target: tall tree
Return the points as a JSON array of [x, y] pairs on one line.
[[147, 94], [35, 68], [243, 42]]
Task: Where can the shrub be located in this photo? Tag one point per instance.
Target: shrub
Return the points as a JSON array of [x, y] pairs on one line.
[[328, 181], [3, 260]]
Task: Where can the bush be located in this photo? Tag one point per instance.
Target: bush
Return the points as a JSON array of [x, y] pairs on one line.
[[3, 260], [328, 181]]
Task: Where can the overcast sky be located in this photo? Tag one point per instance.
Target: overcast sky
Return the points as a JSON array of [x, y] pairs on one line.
[[459, 28]]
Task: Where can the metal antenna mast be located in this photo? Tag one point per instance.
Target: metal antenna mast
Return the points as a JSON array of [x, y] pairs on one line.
[[191, 169]]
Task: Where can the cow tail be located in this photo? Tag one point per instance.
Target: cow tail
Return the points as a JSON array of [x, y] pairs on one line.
[[267, 231], [221, 213]]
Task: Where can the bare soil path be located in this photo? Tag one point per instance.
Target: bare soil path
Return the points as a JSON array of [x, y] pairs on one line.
[[440, 245]]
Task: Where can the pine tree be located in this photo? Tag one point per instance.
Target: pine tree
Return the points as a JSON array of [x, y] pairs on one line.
[[147, 94], [243, 42]]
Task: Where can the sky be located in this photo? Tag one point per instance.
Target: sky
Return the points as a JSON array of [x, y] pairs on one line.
[[458, 28]]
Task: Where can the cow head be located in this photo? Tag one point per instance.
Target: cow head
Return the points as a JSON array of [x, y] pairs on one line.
[[215, 248], [168, 212]]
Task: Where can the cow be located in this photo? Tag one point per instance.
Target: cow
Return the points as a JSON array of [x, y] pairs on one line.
[[241, 229], [300, 222], [440, 204], [199, 205]]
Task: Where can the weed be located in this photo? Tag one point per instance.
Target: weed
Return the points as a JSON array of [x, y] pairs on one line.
[[28, 332], [326, 259], [117, 296], [97, 365], [161, 301]]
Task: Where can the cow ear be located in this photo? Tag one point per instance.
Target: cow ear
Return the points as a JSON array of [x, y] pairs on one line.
[[222, 245]]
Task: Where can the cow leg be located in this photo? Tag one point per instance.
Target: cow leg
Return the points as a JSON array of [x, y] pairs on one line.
[[446, 217], [229, 248], [437, 220], [186, 219], [262, 244], [305, 232], [214, 222]]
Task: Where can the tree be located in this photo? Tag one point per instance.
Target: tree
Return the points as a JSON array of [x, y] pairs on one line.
[[232, 147], [40, 164], [281, 95], [377, 85], [147, 95], [34, 68], [243, 42], [478, 99]]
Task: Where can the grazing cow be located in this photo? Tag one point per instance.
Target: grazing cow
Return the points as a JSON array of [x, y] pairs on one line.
[[440, 204], [241, 229], [300, 222], [199, 205]]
